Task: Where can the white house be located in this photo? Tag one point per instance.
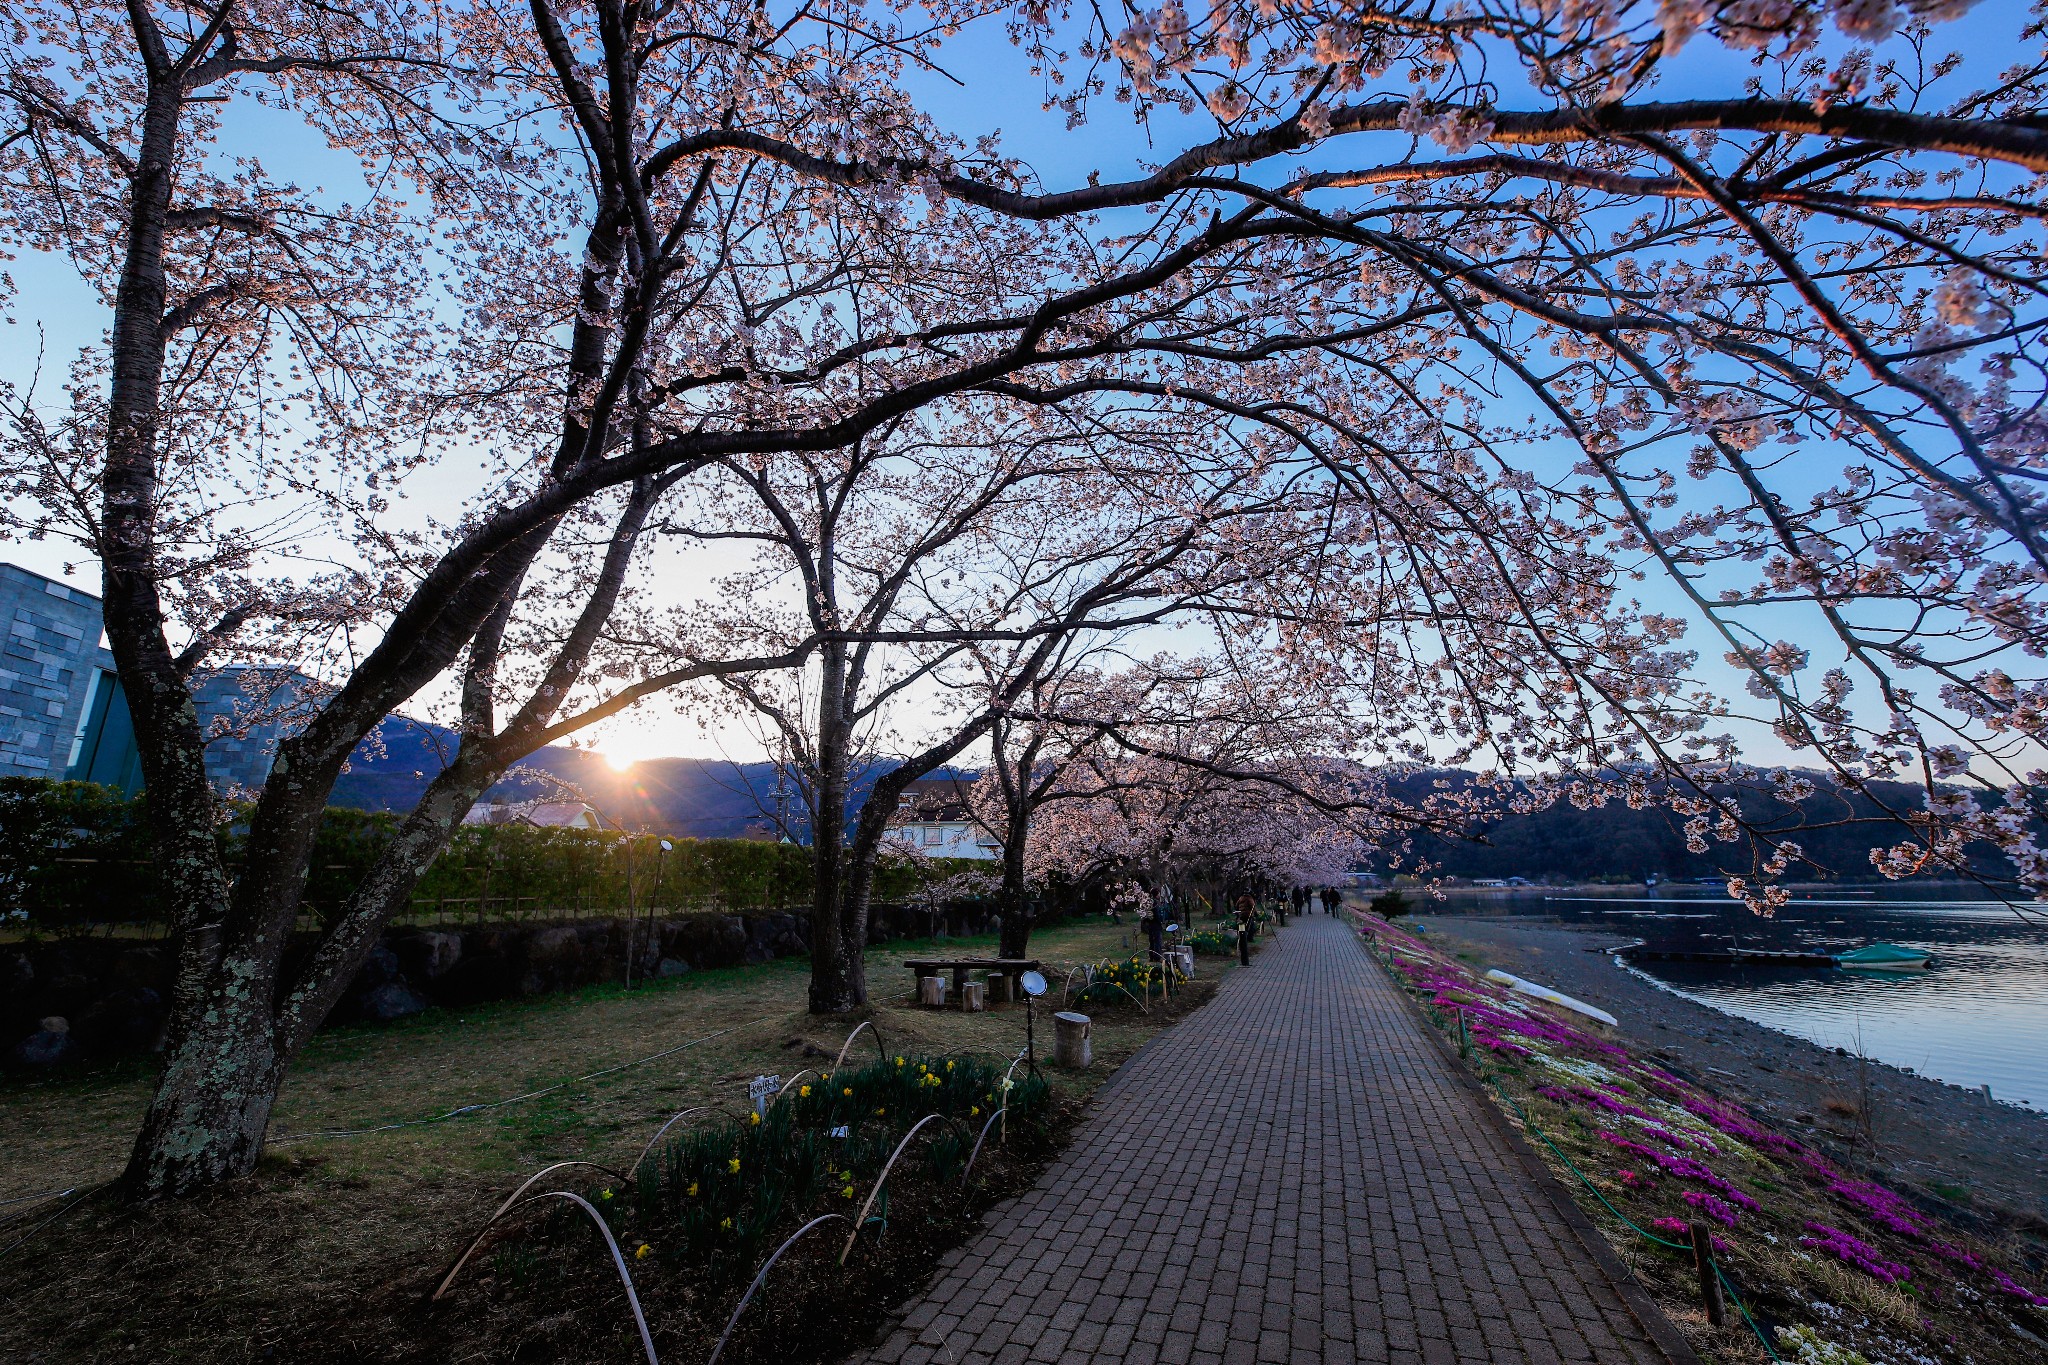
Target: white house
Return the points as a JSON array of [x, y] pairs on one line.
[[932, 819], [548, 814]]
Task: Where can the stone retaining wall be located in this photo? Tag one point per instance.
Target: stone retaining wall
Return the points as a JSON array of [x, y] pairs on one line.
[[81, 998]]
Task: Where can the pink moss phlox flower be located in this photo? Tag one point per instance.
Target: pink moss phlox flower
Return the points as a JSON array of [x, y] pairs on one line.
[[1690, 1169], [1721, 1118], [1680, 1140], [1854, 1252], [1710, 1206], [1879, 1205], [1632, 1180], [2007, 1285], [1591, 1097], [1493, 1043], [1955, 1254], [1643, 1150], [1600, 1099], [1678, 1227]]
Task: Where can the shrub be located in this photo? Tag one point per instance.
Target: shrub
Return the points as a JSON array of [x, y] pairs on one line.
[[1390, 903]]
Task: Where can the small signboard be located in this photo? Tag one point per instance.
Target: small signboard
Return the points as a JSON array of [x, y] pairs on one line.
[[763, 1089]]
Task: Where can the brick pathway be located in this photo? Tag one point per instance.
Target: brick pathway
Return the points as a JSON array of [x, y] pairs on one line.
[[1294, 1175]]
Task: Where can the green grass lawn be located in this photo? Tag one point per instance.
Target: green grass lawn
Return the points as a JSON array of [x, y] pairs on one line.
[[328, 1219]]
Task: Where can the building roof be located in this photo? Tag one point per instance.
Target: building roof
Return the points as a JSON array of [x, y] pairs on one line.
[[547, 814], [933, 799]]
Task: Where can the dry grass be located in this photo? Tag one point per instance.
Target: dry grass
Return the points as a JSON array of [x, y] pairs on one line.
[[331, 1223]]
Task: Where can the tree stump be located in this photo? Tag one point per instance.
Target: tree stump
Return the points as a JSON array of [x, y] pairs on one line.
[[999, 989], [931, 990], [1070, 1047], [972, 997]]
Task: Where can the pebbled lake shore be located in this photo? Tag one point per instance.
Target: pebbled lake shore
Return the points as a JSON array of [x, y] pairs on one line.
[[1950, 1145]]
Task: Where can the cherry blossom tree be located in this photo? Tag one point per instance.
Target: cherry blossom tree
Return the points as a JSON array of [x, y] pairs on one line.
[[1457, 283], [946, 567]]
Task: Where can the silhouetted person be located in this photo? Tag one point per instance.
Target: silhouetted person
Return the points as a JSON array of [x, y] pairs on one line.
[[1247, 922]]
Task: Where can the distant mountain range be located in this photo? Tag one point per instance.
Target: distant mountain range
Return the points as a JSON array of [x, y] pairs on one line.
[[708, 798], [700, 798]]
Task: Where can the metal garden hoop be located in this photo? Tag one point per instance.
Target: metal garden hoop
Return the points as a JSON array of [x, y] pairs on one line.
[[610, 1242], [883, 1179], [881, 1053], [761, 1278]]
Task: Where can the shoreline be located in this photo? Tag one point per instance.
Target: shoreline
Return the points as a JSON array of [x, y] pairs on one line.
[[1981, 1160]]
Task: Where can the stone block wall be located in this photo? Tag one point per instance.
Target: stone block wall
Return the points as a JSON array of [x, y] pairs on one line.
[[71, 1000]]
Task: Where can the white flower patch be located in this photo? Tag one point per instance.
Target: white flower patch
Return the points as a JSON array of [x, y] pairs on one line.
[[1578, 1068]]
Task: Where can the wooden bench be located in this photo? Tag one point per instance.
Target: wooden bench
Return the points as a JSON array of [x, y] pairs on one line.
[[1012, 967]]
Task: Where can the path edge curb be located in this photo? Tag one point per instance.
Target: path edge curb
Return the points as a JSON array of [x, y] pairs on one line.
[[1660, 1328]]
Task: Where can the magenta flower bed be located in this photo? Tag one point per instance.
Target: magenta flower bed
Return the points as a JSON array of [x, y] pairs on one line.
[[1643, 1134]]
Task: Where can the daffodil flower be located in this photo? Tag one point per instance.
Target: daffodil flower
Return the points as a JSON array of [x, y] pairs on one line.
[[726, 1224], [754, 1117], [733, 1165], [848, 1092], [606, 1195], [803, 1092], [974, 1111], [641, 1254], [693, 1189]]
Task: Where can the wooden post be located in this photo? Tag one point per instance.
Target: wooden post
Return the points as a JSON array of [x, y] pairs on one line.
[[971, 998], [1070, 1045], [1710, 1280], [931, 991]]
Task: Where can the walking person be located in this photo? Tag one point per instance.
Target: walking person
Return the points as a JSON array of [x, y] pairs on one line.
[[1300, 898], [1332, 898], [1158, 901], [1247, 922]]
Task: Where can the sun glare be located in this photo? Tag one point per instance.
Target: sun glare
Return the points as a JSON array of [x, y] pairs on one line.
[[619, 761]]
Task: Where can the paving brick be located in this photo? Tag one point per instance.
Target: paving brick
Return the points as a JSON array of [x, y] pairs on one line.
[[1294, 1175]]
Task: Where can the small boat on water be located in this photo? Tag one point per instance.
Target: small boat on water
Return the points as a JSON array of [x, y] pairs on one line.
[[1878, 957], [1883, 957]]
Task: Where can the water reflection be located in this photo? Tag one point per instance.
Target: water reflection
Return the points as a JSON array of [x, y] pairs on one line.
[[1977, 1016]]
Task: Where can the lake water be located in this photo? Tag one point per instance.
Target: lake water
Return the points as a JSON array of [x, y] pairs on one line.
[[1977, 1016]]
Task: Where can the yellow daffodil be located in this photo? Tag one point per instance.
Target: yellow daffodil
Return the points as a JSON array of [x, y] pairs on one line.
[[726, 1224], [803, 1092], [880, 1112], [899, 1061], [606, 1195], [848, 1092], [754, 1117], [974, 1111], [949, 1066], [733, 1165], [847, 1192], [693, 1189], [641, 1254]]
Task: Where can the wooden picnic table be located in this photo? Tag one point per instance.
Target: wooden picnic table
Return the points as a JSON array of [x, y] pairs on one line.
[[961, 966]]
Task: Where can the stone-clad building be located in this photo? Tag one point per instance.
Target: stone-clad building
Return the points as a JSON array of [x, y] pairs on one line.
[[50, 669], [63, 714]]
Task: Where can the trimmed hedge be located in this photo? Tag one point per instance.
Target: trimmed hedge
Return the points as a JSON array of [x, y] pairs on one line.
[[73, 854]]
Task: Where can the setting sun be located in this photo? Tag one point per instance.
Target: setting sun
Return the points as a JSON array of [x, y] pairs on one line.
[[619, 762]]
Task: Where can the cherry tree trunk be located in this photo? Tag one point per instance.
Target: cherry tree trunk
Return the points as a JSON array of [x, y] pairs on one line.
[[1013, 903], [207, 1120]]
